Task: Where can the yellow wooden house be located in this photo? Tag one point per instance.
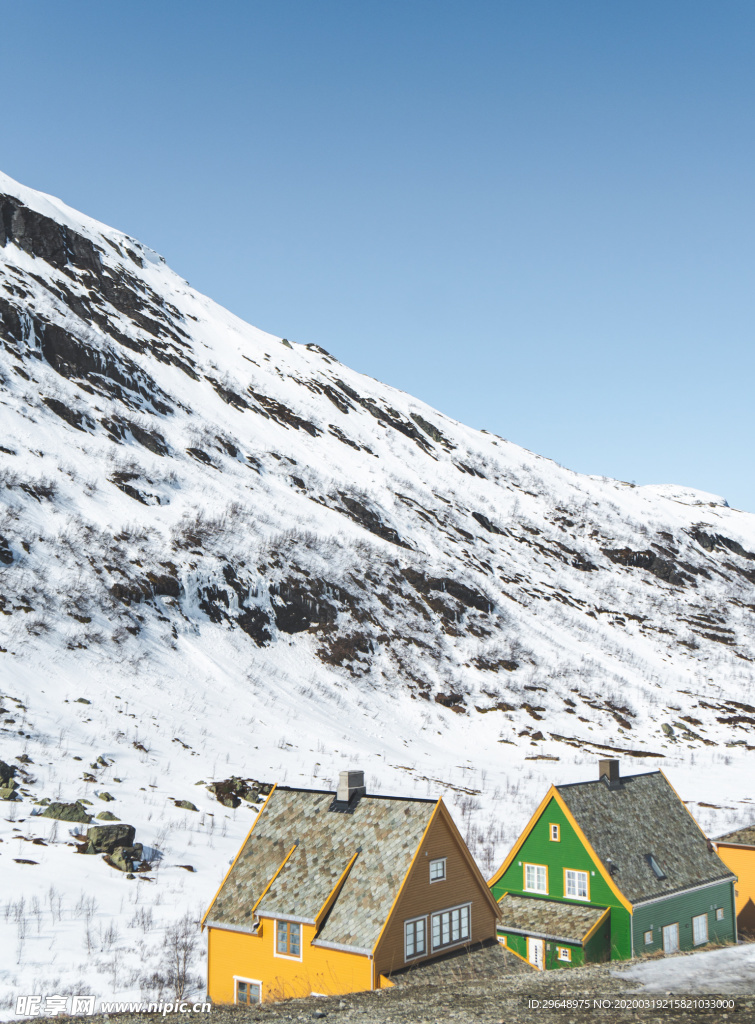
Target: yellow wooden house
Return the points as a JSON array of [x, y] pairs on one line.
[[737, 851], [333, 892]]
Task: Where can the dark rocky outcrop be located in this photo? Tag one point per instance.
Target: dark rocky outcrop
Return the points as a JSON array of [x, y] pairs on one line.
[[663, 568]]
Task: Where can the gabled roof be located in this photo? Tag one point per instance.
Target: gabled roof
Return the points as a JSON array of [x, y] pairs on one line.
[[552, 919], [640, 818], [740, 837], [299, 850]]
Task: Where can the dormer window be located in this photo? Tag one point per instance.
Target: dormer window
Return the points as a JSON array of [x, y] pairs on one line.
[[655, 866]]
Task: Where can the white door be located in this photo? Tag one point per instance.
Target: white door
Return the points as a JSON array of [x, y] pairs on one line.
[[671, 938], [536, 953]]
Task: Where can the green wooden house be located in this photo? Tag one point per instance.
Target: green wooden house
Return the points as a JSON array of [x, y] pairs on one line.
[[611, 869]]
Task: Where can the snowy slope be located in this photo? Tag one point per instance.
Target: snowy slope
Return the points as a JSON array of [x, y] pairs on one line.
[[251, 560]]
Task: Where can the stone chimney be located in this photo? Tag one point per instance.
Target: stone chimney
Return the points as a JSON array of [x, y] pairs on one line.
[[609, 770], [350, 785]]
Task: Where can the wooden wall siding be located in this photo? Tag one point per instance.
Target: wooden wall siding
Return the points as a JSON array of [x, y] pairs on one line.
[[598, 946], [681, 909], [551, 956], [569, 852], [421, 897], [516, 942], [326, 971], [741, 862]]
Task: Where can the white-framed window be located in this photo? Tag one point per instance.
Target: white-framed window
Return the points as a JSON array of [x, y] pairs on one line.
[[248, 991], [648, 936], [555, 833], [719, 913], [564, 953], [438, 869], [415, 938], [450, 926], [699, 929], [577, 885], [536, 878], [288, 939]]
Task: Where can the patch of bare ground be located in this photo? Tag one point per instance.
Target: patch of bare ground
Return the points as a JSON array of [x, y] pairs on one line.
[[489, 986]]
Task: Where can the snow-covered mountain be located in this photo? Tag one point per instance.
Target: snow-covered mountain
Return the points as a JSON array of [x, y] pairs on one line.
[[223, 553]]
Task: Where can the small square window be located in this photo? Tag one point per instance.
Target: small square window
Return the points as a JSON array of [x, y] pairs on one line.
[[649, 938], [564, 953], [719, 913], [438, 869], [555, 833]]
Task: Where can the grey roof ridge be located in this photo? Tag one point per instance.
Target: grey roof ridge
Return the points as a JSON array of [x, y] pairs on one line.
[[725, 837], [367, 796], [592, 782], [342, 947], [539, 935]]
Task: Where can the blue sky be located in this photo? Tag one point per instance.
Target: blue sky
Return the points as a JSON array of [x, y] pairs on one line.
[[537, 216]]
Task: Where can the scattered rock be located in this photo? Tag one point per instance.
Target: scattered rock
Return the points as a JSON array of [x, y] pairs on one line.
[[185, 805], [67, 812], [230, 792], [106, 796], [125, 858], [106, 838], [107, 816], [82, 700]]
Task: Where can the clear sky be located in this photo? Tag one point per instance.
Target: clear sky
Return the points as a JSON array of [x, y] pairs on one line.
[[537, 216]]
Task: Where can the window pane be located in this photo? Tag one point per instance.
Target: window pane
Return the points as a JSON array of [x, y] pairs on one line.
[[410, 938], [420, 933], [241, 994], [282, 936], [541, 879], [294, 930], [465, 922], [454, 925], [446, 928], [436, 930], [254, 993]]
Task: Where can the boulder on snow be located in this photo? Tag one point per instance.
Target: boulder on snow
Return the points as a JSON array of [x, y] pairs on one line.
[[106, 796], [107, 816], [67, 812], [185, 805], [107, 838], [7, 771], [126, 858], [9, 793]]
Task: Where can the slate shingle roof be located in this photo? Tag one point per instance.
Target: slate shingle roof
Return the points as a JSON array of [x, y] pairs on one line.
[[741, 836], [388, 830], [566, 921], [642, 816]]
